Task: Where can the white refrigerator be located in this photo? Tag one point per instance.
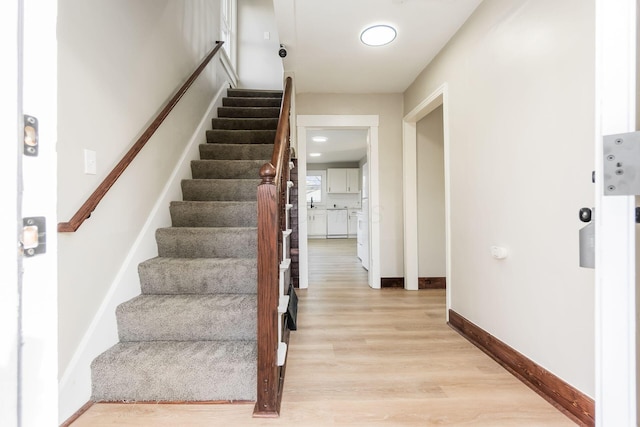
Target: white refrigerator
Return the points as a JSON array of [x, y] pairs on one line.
[[363, 220]]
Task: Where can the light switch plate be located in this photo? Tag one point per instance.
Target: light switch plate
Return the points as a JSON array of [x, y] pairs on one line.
[[90, 166]]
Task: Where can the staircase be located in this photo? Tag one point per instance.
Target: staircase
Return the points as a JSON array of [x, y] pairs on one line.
[[191, 334]]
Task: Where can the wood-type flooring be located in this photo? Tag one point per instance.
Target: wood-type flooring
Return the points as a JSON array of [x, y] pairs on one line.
[[366, 357]]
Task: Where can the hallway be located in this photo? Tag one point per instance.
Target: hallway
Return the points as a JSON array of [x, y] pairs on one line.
[[364, 357]]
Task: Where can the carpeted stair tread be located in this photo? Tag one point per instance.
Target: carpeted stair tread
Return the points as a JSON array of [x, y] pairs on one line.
[[191, 334], [251, 102], [218, 151], [210, 242], [241, 112], [176, 371], [167, 276], [232, 169], [245, 123], [254, 93], [188, 317], [228, 136], [213, 214], [220, 189]]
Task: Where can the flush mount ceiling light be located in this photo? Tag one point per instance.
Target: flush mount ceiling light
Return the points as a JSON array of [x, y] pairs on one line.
[[319, 139], [315, 154], [378, 35]]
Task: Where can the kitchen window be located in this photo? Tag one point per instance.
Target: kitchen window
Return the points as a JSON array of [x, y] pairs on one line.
[[316, 183]]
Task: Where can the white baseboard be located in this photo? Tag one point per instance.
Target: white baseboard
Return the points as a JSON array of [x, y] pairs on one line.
[[74, 385]]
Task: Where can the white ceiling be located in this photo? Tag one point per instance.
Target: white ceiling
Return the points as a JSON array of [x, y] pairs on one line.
[[342, 145], [325, 54]]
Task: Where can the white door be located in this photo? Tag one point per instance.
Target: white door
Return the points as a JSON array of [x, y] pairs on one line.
[[37, 157], [614, 216], [9, 213]]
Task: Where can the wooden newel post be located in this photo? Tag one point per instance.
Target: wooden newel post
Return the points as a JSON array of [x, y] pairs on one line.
[[268, 265]]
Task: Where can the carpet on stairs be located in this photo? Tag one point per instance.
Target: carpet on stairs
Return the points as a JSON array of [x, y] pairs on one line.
[[191, 333]]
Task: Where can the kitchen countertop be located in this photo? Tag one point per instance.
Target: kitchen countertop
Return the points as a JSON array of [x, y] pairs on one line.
[[337, 208]]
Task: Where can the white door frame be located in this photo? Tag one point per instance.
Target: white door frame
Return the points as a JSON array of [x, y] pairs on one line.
[[369, 122], [10, 214], [410, 194], [614, 218]]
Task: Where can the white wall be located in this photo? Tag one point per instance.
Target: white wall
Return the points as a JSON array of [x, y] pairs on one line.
[[430, 186], [389, 109], [119, 61], [521, 109], [259, 66]]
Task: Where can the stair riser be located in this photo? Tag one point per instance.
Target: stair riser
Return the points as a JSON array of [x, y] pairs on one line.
[[213, 214], [216, 169], [220, 189], [217, 151], [244, 124], [172, 276], [226, 136], [249, 112], [168, 371], [207, 243], [244, 93], [187, 318], [251, 102]]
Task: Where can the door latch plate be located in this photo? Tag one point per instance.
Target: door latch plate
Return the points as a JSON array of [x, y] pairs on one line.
[[621, 169], [34, 236], [30, 143]]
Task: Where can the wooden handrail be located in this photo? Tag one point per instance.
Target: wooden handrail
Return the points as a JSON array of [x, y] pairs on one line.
[[90, 204], [271, 223], [282, 132]]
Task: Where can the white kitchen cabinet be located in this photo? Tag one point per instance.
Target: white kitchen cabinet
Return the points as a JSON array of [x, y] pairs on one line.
[[343, 180], [336, 180], [317, 223], [353, 180]]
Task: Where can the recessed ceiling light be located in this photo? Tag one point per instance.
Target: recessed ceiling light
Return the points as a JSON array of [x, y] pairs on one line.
[[378, 35], [315, 154], [319, 139]]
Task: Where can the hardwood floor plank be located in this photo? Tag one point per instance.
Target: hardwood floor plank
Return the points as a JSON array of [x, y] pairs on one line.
[[365, 357]]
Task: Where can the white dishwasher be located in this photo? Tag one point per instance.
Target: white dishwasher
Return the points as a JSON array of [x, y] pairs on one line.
[[337, 223]]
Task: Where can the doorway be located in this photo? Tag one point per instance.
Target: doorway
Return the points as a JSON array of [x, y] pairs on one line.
[[362, 123], [437, 100], [334, 195], [431, 201]]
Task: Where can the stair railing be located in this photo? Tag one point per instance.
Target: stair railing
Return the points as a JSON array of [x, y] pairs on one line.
[[94, 199], [273, 265]]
